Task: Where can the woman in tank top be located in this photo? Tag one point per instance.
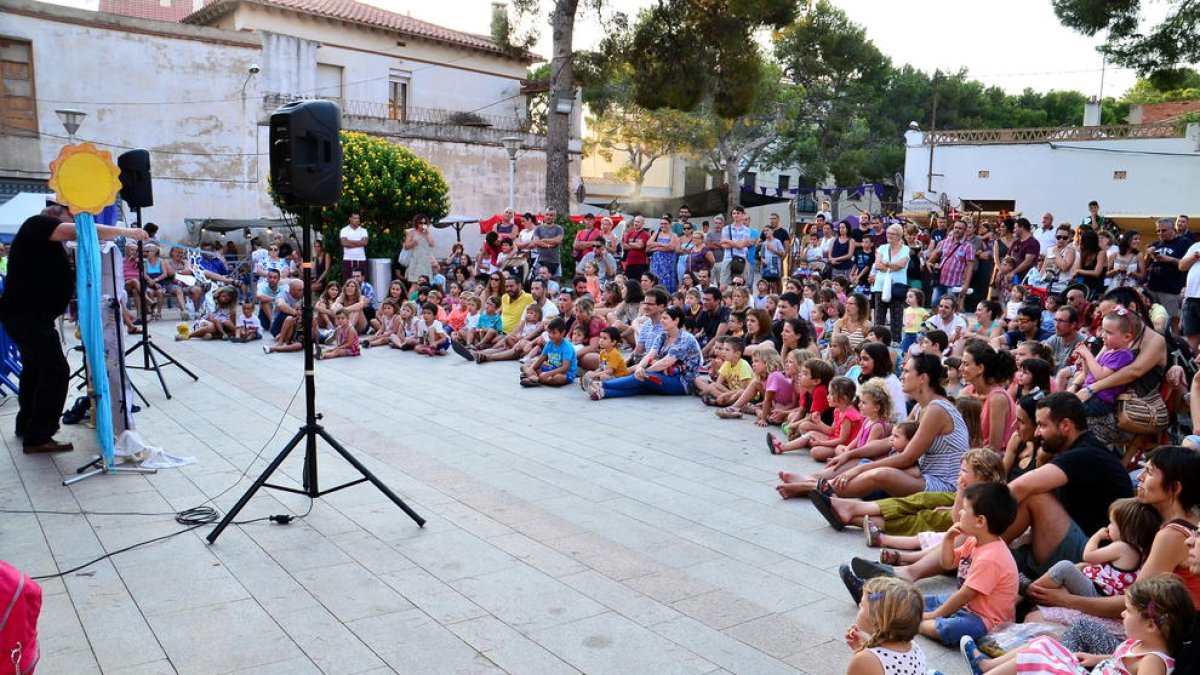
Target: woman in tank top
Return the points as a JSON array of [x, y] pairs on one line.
[[988, 372], [931, 461]]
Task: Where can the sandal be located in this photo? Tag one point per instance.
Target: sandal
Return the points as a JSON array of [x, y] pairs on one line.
[[530, 382], [729, 413], [708, 399], [872, 533], [597, 392], [889, 556], [773, 444]]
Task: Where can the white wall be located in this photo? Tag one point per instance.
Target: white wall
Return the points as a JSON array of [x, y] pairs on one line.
[[175, 90], [1162, 175], [443, 76]]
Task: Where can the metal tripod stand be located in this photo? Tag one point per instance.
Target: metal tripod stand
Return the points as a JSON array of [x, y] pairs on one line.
[[150, 351], [311, 429]]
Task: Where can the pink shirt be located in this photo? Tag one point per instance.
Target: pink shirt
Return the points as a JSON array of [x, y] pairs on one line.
[[777, 382]]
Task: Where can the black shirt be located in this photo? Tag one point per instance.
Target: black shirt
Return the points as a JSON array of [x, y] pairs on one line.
[[40, 281], [708, 322], [1165, 277], [1095, 478]]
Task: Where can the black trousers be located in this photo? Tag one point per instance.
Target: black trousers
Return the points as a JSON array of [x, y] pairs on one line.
[[44, 376]]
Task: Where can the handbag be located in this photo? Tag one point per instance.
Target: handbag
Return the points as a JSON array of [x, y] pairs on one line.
[[405, 257], [20, 605], [1142, 414], [885, 280]]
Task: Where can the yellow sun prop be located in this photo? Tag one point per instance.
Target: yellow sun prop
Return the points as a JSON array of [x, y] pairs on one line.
[[84, 178]]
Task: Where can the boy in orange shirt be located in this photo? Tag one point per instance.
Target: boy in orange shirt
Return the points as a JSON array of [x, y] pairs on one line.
[[987, 572]]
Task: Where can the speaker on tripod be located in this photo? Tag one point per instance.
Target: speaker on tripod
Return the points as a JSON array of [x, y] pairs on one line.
[[306, 171], [137, 191]]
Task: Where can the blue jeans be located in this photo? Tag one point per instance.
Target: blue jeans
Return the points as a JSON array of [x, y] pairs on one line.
[[669, 385], [950, 629], [909, 340]]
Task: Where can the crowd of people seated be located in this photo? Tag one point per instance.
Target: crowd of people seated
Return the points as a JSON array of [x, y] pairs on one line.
[[1002, 401]]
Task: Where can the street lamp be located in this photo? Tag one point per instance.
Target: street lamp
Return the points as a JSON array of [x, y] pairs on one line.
[[512, 144], [71, 119]]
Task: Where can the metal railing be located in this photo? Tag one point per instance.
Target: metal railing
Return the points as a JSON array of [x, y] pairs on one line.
[[387, 111], [1050, 134]]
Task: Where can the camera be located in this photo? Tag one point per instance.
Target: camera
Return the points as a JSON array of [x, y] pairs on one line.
[[1094, 344]]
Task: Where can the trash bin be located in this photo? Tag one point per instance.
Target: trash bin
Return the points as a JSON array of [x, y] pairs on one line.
[[379, 275]]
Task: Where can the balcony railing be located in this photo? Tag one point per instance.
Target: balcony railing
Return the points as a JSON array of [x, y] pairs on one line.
[[1052, 134], [413, 115]]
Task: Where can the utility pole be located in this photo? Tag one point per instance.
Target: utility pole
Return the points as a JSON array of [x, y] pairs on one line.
[[932, 132]]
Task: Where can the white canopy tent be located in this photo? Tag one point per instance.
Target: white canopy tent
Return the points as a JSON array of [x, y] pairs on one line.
[[16, 210]]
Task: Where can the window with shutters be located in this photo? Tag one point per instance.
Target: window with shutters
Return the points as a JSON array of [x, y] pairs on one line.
[[18, 107]]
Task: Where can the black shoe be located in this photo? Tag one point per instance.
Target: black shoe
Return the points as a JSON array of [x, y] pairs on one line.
[[853, 583], [461, 349], [825, 508], [869, 569]]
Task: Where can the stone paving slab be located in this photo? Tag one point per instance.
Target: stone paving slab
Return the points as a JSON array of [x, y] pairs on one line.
[[564, 536]]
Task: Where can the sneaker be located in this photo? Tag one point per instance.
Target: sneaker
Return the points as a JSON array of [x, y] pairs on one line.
[[585, 381], [869, 569], [597, 392], [972, 653], [266, 349], [872, 532], [854, 584]]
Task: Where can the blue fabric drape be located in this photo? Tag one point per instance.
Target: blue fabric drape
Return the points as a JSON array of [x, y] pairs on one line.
[[91, 327]]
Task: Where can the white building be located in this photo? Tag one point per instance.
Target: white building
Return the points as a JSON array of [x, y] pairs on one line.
[[187, 92], [1132, 170]]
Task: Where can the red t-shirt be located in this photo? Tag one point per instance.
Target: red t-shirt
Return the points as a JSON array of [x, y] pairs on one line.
[[636, 256], [585, 235], [818, 399]]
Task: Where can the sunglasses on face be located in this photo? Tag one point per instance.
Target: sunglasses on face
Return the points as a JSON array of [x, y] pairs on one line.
[[1063, 238]]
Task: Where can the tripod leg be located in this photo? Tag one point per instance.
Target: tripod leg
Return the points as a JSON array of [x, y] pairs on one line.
[[258, 483], [171, 360], [152, 359], [371, 477]]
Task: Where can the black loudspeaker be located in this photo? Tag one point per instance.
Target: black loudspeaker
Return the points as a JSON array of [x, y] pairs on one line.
[[135, 178], [306, 153]]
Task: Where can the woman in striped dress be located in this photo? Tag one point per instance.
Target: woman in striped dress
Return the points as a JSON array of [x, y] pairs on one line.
[[931, 460]]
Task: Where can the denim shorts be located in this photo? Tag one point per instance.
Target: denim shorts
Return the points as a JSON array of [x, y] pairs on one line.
[[950, 629]]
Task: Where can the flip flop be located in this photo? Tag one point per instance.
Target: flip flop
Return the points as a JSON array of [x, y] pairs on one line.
[[771, 445], [825, 508], [461, 349], [869, 569]]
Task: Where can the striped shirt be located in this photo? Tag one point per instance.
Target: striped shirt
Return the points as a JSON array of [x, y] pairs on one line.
[[941, 462]]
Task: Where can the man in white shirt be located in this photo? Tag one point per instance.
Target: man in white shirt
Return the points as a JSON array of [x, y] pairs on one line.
[[354, 246], [1191, 295], [947, 320], [736, 239], [1045, 235]]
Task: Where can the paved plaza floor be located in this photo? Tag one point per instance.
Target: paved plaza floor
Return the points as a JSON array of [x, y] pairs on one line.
[[628, 536]]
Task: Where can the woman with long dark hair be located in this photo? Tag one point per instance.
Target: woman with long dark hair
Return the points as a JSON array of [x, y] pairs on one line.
[[1092, 262], [841, 252], [668, 368], [1123, 268], [989, 372]]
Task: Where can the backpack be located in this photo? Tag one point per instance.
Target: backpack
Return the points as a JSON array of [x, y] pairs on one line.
[[20, 605]]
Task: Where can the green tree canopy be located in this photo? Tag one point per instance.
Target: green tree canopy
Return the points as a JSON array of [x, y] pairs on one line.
[[387, 185], [1158, 52]]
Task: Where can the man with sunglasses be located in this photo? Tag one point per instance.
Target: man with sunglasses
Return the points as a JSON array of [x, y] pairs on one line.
[[1164, 279]]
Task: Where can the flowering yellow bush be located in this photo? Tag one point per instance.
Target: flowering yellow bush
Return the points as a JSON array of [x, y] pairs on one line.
[[386, 184]]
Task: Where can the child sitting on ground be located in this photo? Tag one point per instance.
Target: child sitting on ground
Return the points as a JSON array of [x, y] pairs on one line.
[[388, 326], [987, 572], [1158, 618], [733, 374], [248, 326], [431, 335], [823, 438], [907, 526], [556, 365], [408, 326], [765, 363], [813, 391], [345, 338], [875, 403], [889, 617], [612, 363], [1117, 329], [1112, 556]]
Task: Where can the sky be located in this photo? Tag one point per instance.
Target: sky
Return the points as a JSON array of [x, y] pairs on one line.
[[1012, 45]]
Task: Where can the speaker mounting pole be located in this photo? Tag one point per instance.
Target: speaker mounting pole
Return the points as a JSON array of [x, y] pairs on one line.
[[317, 164]]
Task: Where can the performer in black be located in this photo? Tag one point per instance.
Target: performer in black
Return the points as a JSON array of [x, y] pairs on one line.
[[39, 285]]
